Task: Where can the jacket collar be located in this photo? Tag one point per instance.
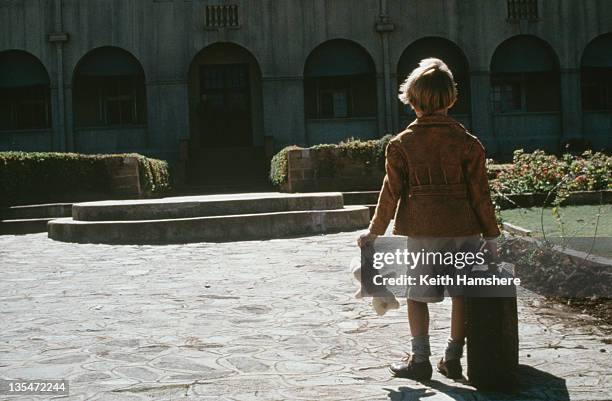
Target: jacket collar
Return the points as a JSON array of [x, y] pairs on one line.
[[433, 119]]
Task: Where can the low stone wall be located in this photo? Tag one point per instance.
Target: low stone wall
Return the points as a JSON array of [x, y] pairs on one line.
[[329, 170]]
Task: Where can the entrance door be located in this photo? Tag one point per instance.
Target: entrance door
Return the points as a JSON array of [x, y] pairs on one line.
[[225, 114]]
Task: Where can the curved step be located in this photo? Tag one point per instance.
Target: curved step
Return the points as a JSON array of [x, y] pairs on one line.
[[211, 228], [206, 205]]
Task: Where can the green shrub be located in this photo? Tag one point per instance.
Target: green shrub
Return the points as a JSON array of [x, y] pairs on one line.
[[37, 177], [278, 166]]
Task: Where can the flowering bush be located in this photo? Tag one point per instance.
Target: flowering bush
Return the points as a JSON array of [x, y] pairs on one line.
[[539, 172]]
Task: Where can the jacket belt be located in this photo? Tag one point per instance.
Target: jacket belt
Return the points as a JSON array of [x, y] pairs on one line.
[[454, 190]]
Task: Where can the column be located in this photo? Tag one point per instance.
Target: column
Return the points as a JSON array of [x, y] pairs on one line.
[[482, 118], [571, 104]]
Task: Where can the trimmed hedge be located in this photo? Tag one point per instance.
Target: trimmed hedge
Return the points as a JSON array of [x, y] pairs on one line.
[[38, 177], [370, 152]]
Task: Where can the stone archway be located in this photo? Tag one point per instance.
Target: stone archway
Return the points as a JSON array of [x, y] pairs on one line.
[[525, 95]]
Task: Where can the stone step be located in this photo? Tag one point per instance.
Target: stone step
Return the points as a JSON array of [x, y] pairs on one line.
[[37, 211], [211, 228], [204, 206], [360, 197], [24, 226], [372, 209]]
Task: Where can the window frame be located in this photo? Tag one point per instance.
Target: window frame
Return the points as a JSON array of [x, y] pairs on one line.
[[14, 104]]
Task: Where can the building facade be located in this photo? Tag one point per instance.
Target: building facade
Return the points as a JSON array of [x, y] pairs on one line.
[[209, 80]]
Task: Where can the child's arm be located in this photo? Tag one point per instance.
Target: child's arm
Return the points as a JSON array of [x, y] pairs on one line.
[[478, 187], [391, 189]]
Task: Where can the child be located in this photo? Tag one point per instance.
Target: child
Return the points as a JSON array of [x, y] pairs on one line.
[[436, 186]]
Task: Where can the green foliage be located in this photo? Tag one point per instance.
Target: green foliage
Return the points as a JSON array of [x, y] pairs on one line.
[[154, 175], [539, 172], [36, 177], [381, 148], [369, 152], [278, 166]]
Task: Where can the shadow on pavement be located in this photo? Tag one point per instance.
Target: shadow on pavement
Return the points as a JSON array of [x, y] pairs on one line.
[[534, 385]]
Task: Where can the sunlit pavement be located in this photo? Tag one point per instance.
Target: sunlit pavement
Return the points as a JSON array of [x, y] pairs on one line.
[[258, 320]]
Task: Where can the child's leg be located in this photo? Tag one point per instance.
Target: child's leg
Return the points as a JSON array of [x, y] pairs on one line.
[[454, 348], [458, 319], [418, 318]]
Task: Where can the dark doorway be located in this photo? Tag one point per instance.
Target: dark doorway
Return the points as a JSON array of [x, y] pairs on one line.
[[225, 115], [226, 141]]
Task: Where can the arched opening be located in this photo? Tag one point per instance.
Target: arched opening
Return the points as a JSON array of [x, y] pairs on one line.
[[596, 85], [24, 92], [525, 76], [525, 95], [596, 74], [225, 90], [226, 117], [454, 57], [109, 89], [339, 92]]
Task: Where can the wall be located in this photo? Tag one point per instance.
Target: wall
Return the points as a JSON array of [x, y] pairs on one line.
[[166, 35], [311, 170]]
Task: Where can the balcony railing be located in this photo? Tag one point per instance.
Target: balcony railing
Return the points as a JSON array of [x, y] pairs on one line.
[[222, 16], [522, 10]]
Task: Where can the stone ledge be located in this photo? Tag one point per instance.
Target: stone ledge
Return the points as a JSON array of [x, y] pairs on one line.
[[205, 205], [211, 229]]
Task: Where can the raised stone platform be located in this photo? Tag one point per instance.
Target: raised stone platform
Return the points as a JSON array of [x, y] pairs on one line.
[[205, 205], [212, 218]]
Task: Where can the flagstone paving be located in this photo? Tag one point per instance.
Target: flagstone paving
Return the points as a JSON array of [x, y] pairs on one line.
[[258, 320]]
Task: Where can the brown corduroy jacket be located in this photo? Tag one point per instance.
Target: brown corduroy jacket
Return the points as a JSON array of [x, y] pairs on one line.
[[436, 172]]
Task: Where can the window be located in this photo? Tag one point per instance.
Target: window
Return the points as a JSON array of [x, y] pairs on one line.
[[596, 74], [24, 92], [334, 103], [339, 82], [222, 16], [110, 101], [120, 102], [526, 92], [522, 10], [109, 89], [507, 97], [597, 89], [25, 108], [340, 97]]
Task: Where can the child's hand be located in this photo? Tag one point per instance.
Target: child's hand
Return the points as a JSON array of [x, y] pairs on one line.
[[365, 239]]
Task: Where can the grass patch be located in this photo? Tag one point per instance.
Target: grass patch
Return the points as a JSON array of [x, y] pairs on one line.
[[574, 222]]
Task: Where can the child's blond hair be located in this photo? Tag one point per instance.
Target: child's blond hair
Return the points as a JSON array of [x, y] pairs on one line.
[[429, 87]]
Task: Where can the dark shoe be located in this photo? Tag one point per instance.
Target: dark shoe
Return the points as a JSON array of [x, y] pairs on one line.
[[407, 368], [451, 369]]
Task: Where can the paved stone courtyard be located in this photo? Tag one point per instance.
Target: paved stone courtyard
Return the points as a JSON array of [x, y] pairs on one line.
[[258, 320]]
